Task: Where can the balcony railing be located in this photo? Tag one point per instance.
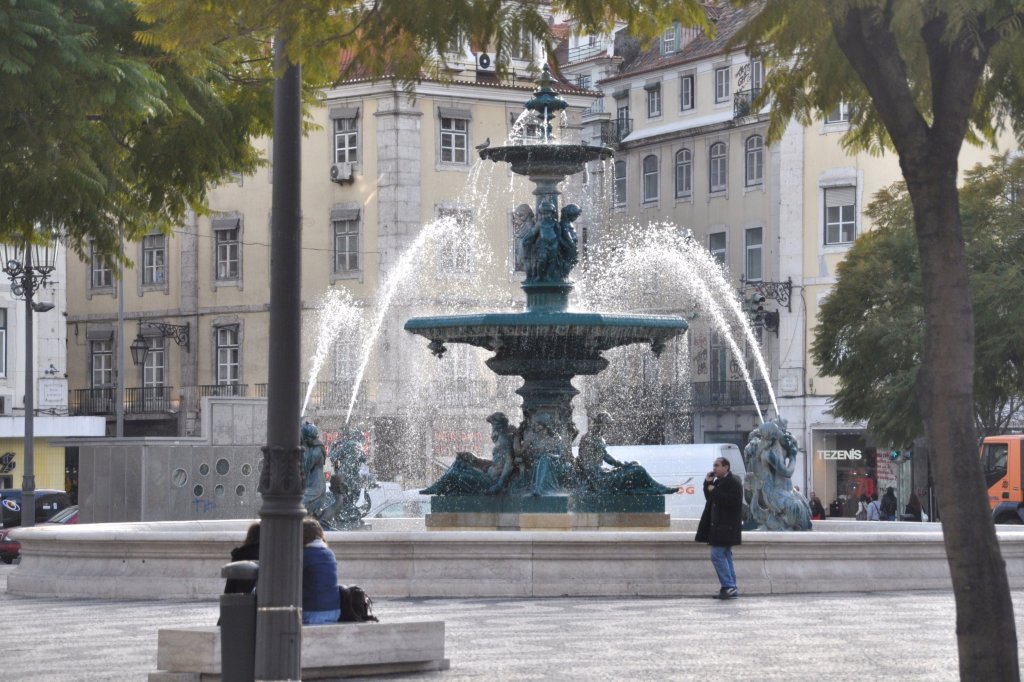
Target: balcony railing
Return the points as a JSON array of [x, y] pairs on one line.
[[90, 401], [727, 394], [147, 400], [743, 102], [596, 108], [613, 132], [581, 52]]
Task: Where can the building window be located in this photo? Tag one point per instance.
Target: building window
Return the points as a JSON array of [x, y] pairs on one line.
[[722, 84], [686, 99], [718, 167], [669, 41], [753, 271], [841, 114], [756, 75], [3, 342], [716, 245], [101, 275], [684, 173], [227, 245], [102, 362], [154, 259], [650, 178], [346, 140], [755, 160], [619, 194], [840, 215], [454, 140], [622, 116], [654, 101], [346, 245], [455, 255], [583, 81], [153, 368], [227, 355]]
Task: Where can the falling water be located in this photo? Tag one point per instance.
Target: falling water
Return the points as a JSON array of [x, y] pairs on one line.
[[337, 313]]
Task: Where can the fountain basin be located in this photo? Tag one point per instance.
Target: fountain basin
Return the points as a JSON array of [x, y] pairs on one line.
[[546, 335], [182, 560], [547, 160]]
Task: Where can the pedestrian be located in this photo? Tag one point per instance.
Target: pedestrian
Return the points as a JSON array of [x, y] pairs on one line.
[[874, 510], [862, 508], [817, 508], [720, 524], [249, 550], [321, 601], [888, 507], [914, 512]]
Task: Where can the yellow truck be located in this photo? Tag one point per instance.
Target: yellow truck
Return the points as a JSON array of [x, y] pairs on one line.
[[1001, 461]]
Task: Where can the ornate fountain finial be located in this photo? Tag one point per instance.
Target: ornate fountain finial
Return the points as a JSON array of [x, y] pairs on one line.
[[546, 101]]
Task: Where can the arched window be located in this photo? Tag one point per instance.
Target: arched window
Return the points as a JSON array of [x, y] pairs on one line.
[[755, 160], [650, 178], [619, 193], [684, 173], [718, 167]]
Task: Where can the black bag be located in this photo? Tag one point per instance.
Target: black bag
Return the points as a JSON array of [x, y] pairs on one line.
[[356, 605]]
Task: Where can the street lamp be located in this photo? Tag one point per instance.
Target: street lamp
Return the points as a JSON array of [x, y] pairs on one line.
[[140, 348], [29, 267]]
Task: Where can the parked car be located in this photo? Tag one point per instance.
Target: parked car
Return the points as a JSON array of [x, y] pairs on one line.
[[48, 503], [11, 548]]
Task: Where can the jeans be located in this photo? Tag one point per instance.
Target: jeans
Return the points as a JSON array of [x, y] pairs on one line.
[[320, 617], [721, 559]]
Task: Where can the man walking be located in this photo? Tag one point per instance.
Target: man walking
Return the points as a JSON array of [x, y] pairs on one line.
[[720, 524]]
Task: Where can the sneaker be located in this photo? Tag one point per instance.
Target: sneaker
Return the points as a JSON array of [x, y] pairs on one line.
[[730, 593], [721, 593]]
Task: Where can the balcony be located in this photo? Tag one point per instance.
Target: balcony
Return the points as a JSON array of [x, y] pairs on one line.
[[613, 132], [743, 102], [725, 394], [583, 52], [147, 400]]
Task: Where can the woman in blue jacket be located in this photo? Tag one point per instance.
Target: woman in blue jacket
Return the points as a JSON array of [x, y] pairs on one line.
[[320, 599]]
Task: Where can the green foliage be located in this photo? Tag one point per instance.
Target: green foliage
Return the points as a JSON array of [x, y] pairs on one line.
[[104, 137], [870, 329]]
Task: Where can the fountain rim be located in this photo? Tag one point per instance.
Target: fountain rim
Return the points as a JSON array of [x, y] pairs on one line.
[[535, 319]]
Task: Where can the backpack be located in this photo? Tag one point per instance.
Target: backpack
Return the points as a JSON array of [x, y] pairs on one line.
[[356, 605]]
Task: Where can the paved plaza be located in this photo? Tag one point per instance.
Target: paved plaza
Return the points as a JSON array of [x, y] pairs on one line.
[[906, 636]]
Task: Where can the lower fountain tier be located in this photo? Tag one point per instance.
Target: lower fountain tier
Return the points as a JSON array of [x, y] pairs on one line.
[[566, 343]]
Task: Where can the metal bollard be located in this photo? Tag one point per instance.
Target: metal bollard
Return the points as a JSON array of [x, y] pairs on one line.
[[238, 626]]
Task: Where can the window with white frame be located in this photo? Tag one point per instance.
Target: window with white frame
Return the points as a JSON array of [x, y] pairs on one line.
[[840, 215], [650, 173], [684, 173], [102, 363], [454, 140], [347, 356], [653, 100], [686, 93], [753, 265], [841, 114], [722, 84], [716, 245], [346, 139], [156, 361], [228, 354], [619, 193], [455, 255], [756, 75], [754, 161], [227, 248], [718, 167], [101, 276], [345, 225], [3, 342], [669, 40], [154, 259]]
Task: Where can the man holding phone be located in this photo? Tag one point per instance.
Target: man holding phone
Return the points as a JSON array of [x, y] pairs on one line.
[[720, 524]]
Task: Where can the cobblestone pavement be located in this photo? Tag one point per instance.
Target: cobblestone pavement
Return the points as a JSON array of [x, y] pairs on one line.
[[905, 636]]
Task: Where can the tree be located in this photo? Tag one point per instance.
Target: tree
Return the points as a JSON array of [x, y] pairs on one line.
[[104, 138], [870, 331], [920, 78]]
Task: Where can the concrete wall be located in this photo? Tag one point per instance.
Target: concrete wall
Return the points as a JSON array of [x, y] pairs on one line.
[[177, 479]]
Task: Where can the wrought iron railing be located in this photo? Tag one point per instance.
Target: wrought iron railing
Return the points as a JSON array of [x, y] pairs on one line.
[[148, 399], [581, 52], [613, 132], [728, 393], [90, 401], [743, 102]]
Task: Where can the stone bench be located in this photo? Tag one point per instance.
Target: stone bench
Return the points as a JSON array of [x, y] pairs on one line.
[[328, 651]]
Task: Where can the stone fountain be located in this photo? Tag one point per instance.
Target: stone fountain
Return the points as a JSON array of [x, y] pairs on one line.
[[547, 345]]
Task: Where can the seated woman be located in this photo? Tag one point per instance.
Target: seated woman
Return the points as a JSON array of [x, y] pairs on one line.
[[320, 602], [249, 550]]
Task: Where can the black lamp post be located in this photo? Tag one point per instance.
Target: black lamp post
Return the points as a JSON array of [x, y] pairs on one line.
[[140, 348], [29, 267]]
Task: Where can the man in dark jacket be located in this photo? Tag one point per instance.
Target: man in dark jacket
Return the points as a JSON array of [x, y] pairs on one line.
[[720, 524]]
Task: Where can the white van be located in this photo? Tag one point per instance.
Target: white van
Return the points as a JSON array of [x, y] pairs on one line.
[[684, 466]]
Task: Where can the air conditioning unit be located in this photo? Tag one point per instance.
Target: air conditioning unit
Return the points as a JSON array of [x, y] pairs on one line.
[[484, 62], [341, 172]]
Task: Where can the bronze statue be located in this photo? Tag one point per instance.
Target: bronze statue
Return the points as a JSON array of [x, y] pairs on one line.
[[472, 475], [623, 478], [770, 458], [314, 498]]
